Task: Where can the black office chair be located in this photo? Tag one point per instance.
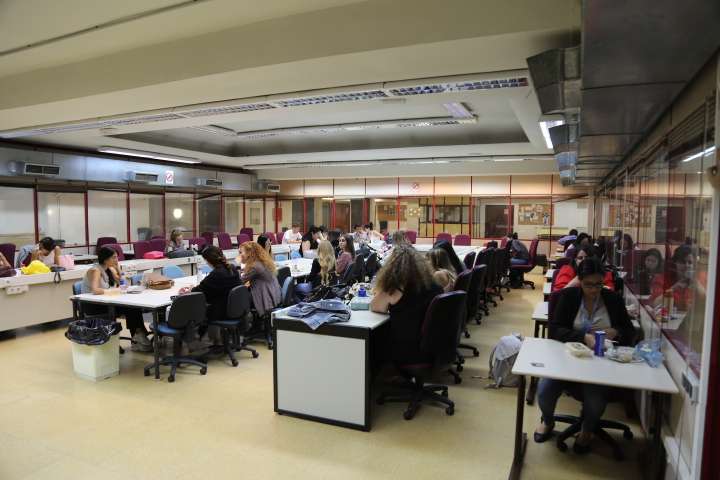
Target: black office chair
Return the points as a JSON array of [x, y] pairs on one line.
[[462, 284], [348, 276], [443, 321], [469, 260], [486, 258], [236, 324], [288, 293], [282, 274], [372, 265], [480, 307], [575, 421], [359, 274], [185, 311]]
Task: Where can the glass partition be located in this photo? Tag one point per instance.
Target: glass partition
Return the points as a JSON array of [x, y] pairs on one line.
[[146, 216], [254, 215], [179, 213], [18, 216], [233, 213], [107, 215], [61, 215], [209, 218], [492, 217]]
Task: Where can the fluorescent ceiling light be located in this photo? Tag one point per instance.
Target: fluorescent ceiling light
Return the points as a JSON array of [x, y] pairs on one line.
[[508, 159], [705, 152], [144, 154], [545, 129], [457, 110]]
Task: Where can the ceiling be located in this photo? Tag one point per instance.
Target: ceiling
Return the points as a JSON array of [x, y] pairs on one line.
[[169, 57]]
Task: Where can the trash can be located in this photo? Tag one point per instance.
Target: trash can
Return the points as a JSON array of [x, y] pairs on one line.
[[95, 348]]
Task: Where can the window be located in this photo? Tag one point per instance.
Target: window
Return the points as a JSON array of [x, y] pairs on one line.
[[491, 217], [61, 215], [416, 214], [254, 217], [383, 214], [233, 208], [146, 216], [178, 213], [208, 213], [18, 218], [452, 215], [107, 215]]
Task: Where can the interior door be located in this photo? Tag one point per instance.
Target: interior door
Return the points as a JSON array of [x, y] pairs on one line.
[[498, 220], [342, 216]]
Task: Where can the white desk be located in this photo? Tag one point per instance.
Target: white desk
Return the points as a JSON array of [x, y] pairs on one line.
[[325, 374], [549, 274], [543, 358], [153, 301], [299, 267], [547, 290], [540, 318]]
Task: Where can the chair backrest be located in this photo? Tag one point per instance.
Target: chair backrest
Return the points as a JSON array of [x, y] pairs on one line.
[[272, 237], [173, 271], [472, 293], [118, 249], [295, 254], [442, 325], [411, 235], [198, 242], [141, 248], [157, 237], [186, 309], [208, 236], [77, 288], [462, 282], [482, 277], [282, 274], [533, 251], [552, 303], [247, 231], [8, 251], [224, 241], [371, 265], [279, 236], [238, 302], [348, 275], [242, 238], [359, 269], [444, 236], [462, 239], [280, 257], [469, 259], [101, 241], [288, 292], [158, 244]]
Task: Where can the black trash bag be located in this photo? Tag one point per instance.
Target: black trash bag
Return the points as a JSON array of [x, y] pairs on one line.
[[92, 331]]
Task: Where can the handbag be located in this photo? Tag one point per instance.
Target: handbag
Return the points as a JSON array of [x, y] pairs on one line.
[[7, 272], [153, 255], [156, 281]]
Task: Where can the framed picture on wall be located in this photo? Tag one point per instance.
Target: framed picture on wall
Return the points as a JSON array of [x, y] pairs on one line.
[[630, 215], [534, 214]]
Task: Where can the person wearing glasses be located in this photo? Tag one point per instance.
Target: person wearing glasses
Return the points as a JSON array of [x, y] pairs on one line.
[[580, 312], [567, 275]]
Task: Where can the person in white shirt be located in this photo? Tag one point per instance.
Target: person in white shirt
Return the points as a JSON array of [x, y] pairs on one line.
[[292, 235]]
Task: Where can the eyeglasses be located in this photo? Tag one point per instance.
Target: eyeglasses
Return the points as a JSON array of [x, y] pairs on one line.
[[592, 285]]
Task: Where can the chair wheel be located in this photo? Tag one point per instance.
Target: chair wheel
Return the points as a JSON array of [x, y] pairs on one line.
[[467, 334], [171, 378], [459, 368], [628, 435], [450, 410], [444, 393], [234, 363], [532, 286], [203, 370], [255, 354], [146, 373], [562, 446], [458, 380], [476, 352]]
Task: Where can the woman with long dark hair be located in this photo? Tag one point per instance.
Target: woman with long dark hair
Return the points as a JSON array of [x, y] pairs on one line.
[[567, 275], [454, 259], [346, 255]]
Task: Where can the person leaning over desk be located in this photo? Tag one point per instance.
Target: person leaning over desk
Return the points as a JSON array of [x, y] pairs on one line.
[[46, 251], [103, 276], [579, 312]]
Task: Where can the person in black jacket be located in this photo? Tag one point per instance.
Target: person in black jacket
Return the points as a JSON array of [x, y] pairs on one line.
[[577, 314], [452, 255]]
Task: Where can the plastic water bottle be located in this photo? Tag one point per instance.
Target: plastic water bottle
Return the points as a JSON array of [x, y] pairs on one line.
[[362, 292]]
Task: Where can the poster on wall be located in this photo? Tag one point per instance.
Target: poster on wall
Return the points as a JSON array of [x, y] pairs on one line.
[[633, 216], [534, 214]]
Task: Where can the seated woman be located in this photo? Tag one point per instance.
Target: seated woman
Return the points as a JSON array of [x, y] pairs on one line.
[[567, 275], [309, 243], [579, 312], [265, 243], [323, 267], [519, 254], [457, 265], [259, 275], [47, 251], [346, 255], [404, 289], [98, 280], [443, 271], [649, 270], [371, 233], [176, 246], [682, 279]]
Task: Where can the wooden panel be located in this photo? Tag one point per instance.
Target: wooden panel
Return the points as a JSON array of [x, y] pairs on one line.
[[318, 188], [491, 185], [381, 187], [291, 187], [530, 184], [452, 185], [350, 187], [416, 186]]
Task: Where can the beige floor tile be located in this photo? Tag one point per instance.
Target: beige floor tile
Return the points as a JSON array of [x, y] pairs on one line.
[[222, 425]]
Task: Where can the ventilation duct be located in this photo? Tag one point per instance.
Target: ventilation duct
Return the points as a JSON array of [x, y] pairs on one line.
[[556, 77]]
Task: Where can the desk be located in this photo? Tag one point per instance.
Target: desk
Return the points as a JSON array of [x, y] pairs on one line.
[[547, 290], [549, 274], [540, 317], [299, 267], [324, 375], [560, 365], [152, 301]]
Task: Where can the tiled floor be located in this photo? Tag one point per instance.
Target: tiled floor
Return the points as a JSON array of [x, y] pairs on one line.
[[56, 426]]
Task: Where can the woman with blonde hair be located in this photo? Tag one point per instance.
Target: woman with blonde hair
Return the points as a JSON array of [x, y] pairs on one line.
[[323, 267], [404, 289], [259, 275], [443, 271]]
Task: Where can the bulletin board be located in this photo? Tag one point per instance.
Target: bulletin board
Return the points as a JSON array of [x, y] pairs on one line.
[[634, 216], [534, 214]]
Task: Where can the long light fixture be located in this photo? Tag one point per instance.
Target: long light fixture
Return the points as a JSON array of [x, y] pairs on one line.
[[508, 159], [705, 152], [457, 110], [145, 154], [545, 129]]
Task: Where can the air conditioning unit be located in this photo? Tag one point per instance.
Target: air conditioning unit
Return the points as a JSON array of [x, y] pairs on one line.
[[41, 169], [209, 182], [273, 187], [142, 177]]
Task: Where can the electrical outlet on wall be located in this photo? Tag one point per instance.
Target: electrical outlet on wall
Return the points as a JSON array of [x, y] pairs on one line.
[[17, 289]]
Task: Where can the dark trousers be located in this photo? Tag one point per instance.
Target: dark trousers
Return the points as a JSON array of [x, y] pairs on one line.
[[594, 399]]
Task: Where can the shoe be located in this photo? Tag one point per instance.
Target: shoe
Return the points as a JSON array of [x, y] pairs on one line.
[[140, 343], [544, 437]]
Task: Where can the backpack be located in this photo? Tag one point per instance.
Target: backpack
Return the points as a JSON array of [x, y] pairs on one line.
[[502, 359]]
